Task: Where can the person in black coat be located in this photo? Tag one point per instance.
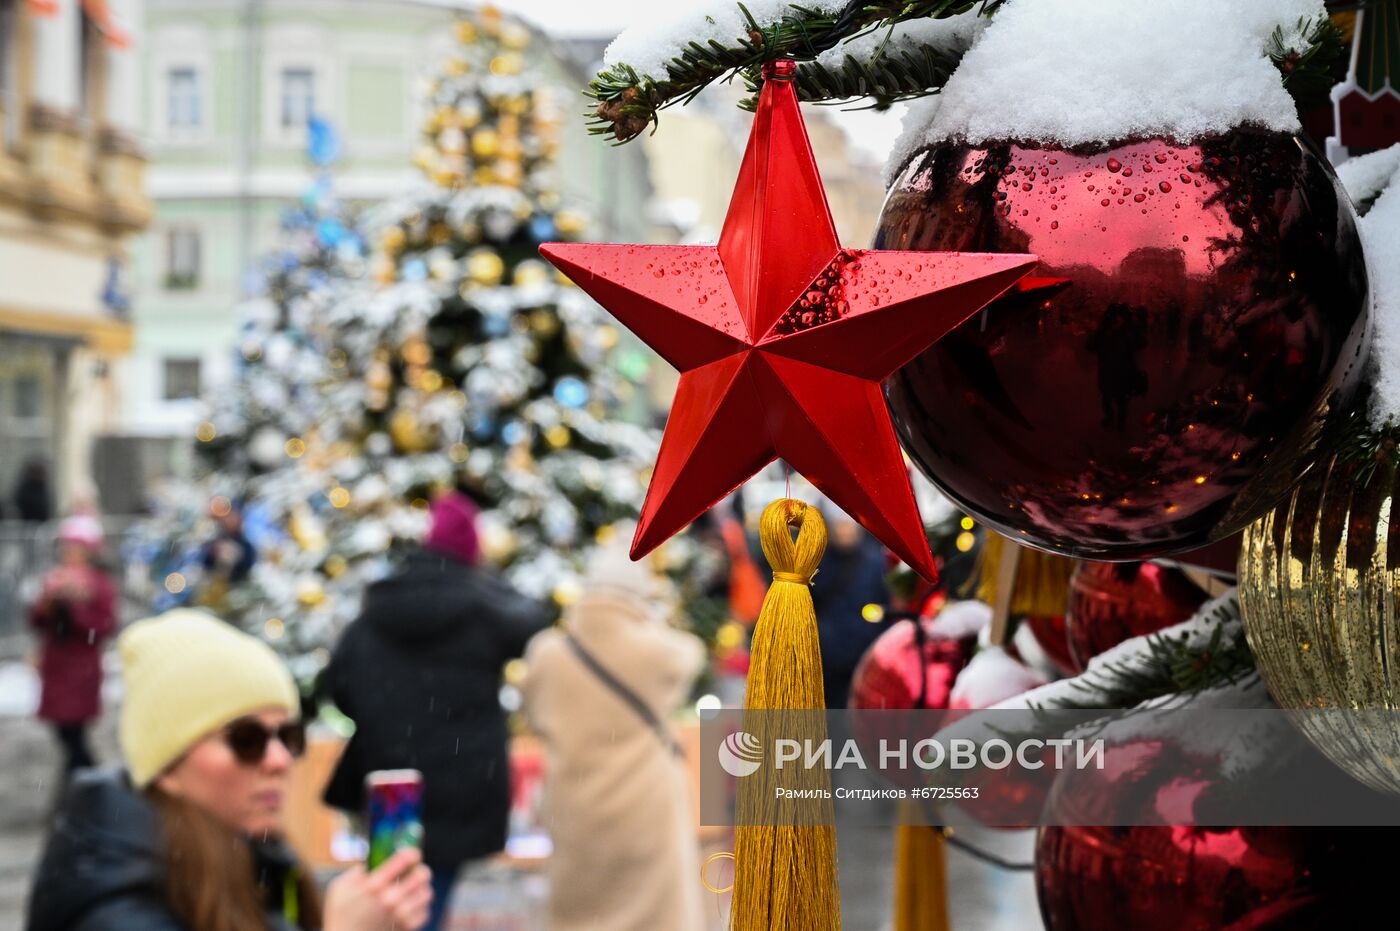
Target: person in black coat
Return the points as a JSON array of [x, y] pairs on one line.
[[852, 575], [33, 495], [419, 672]]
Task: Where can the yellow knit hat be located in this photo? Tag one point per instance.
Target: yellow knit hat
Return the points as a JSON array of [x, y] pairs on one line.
[[186, 674]]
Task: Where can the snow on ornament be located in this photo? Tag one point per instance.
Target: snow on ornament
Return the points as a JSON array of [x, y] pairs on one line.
[[656, 36], [378, 444], [1201, 303], [266, 447], [992, 677], [1380, 230]]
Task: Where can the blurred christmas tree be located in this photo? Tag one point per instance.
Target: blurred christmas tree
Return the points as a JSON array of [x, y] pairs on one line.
[[435, 351]]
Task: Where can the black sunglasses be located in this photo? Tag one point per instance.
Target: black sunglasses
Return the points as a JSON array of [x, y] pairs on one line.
[[248, 739]]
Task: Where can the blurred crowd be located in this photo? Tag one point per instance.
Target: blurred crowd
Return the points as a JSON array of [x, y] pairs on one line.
[[185, 830]]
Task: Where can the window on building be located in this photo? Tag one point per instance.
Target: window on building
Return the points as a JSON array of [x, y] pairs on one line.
[[182, 258], [92, 65], [182, 108], [28, 398], [298, 97], [181, 379]]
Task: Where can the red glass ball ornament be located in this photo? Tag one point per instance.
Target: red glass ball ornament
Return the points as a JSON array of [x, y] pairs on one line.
[[1113, 602], [911, 667], [1050, 633], [904, 670], [1198, 312], [1158, 877]]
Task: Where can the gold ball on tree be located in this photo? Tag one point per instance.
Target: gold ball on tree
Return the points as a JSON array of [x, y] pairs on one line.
[[485, 267]]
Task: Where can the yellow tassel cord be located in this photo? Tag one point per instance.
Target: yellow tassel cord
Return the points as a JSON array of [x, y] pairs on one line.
[[1042, 579], [920, 879], [785, 874]]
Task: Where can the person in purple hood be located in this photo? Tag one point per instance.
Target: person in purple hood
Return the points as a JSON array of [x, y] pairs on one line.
[[419, 672]]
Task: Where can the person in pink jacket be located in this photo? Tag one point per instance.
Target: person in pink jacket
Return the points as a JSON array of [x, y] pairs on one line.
[[75, 613]]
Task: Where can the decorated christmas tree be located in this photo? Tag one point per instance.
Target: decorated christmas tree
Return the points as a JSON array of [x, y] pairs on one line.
[[419, 346]]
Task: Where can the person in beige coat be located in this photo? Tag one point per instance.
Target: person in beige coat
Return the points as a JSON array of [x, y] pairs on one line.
[[601, 691]]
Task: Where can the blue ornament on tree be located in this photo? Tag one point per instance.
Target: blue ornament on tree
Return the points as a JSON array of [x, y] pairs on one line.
[[542, 228], [331, 232], [322, 141], [571, 392]]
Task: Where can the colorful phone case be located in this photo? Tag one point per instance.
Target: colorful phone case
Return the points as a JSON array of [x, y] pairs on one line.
[[395, 812]]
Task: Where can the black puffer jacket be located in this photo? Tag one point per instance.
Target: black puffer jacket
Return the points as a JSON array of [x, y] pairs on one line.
[[101, 870], [419, 671]]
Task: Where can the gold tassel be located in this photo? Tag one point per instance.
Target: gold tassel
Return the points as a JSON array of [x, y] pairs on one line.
[[1042, 579], [920, 879], [785, 874]]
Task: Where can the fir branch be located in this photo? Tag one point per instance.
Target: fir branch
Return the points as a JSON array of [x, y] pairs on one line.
[[1309, 72], [628, 102], [1172, 666], [885, 78], [1363, 447]]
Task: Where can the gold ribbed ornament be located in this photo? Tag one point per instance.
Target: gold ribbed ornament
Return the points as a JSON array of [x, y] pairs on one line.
[[1318, 584]]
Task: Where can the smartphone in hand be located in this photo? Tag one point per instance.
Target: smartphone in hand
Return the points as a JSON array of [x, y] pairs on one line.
[[395, 812]]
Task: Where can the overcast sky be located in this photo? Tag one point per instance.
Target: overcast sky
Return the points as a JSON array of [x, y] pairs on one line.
[[873, 132]]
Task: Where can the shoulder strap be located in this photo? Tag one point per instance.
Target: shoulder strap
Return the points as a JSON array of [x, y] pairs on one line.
[[629, 697]]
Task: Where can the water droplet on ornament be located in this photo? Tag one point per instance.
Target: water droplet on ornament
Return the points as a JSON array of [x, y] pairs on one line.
[[1161, 159], [660, 273], [1139, 198], [1164, 186], [1054, 224], [1128, 172], [1114, 165], [1185, 238]]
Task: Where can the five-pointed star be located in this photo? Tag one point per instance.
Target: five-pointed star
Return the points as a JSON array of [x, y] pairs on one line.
[[783, 339]]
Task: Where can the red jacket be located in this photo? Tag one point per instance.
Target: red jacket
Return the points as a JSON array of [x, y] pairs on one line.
[[73, 631]]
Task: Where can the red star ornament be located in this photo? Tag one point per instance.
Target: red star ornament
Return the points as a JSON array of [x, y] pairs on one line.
[[783, 338]]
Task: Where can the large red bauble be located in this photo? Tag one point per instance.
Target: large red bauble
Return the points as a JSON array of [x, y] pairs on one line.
[[1113, 602], [1165, 878], [1051, 633], [1199, 310], [911, 667], [908, 669]]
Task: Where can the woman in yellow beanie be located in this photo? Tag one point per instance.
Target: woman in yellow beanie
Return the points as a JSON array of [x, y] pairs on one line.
[[187, 839]]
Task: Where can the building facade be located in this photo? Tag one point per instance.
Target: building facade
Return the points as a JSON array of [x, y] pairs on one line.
[[228, 86], [71, 197]]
